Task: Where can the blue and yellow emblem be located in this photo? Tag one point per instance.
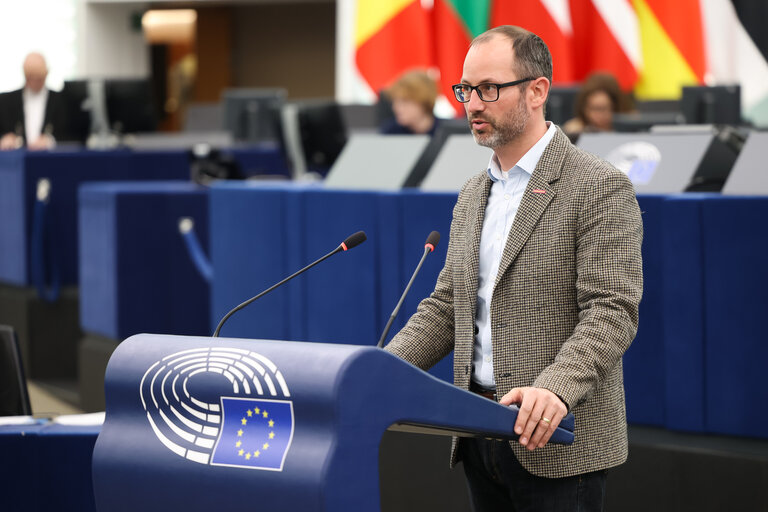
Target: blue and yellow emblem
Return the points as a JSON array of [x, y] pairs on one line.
[[254, 434]]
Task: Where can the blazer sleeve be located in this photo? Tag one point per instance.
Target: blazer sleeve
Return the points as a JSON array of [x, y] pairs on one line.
[[609, 286], [429, 334], [8, 115]]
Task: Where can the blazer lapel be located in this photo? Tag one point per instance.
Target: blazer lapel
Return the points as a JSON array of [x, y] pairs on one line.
[[476, 214], [537, 196]]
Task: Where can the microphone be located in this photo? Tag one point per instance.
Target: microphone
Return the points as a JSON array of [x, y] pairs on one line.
[[351, 241], [429, 246]]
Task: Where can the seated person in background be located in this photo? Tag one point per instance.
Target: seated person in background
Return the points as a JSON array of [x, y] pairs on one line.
[[413, 98], [598, 100], [32, 115]]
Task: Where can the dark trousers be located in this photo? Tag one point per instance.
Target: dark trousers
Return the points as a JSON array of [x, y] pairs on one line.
[[499, 483]]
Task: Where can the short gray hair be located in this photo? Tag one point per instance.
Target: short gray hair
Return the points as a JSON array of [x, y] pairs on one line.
[[532, 57]]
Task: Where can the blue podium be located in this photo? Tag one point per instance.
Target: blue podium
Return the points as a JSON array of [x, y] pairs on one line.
[[197, 423]]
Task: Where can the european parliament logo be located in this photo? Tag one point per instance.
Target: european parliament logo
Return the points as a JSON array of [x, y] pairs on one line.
[[220, 406], [638, 160]]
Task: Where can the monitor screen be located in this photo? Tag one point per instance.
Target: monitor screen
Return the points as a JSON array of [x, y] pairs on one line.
[[130, 105], [323, 134], [560, 104], [252, 115], [78, 109], [644, 121], [720, 104], [14, 400]]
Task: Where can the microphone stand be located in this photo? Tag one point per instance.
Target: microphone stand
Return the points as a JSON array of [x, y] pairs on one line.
[[351, 241], [427, 250]]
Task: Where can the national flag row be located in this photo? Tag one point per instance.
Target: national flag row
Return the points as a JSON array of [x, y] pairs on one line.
[[653, 47]]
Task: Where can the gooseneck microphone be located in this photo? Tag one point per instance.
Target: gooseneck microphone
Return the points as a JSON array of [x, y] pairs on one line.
[[351, 241], [429, 246]]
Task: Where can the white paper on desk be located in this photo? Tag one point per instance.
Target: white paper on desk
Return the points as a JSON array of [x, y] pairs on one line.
[[17, 420], [94, 418]]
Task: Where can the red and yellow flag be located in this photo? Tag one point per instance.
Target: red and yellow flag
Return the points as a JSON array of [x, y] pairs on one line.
[[673, 47], [391, 37]]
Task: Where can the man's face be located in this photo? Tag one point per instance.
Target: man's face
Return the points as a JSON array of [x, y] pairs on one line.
[[495, 124], [35, 72]]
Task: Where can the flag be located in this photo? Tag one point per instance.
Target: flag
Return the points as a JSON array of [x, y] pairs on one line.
[[550, 20], [391, 37], [606, 38], [255, 433], [734, 58], [456, 23], [673, 47]]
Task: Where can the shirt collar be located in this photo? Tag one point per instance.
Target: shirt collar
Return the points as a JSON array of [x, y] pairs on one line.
[[29, 95], [529, 160]]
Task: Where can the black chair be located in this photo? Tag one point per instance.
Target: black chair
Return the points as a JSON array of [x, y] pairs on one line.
[[561, 103], [14, 399]]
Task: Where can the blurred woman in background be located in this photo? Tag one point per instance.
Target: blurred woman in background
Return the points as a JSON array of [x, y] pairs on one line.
[[598, 100], [413, 98]]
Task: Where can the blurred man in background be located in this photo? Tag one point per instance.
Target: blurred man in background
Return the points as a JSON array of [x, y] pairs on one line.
[[34, 115]]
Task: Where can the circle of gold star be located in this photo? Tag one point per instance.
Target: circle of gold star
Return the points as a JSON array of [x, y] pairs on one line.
[[244, 421]]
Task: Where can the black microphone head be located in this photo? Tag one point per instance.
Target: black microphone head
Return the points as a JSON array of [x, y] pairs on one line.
[[354, 240], [432, 240]]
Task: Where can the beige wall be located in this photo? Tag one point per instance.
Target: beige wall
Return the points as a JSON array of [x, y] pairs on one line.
[[290, 45]]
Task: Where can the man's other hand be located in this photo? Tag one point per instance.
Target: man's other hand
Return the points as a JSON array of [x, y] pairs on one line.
[[540, 413]]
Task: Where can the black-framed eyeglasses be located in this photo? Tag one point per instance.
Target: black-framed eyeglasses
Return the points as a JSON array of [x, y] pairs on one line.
[[486, 92]]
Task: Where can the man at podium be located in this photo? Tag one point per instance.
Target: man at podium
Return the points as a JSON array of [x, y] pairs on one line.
[[539, 295]]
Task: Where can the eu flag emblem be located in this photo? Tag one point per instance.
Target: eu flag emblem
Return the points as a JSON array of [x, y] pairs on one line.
[[254, 433]]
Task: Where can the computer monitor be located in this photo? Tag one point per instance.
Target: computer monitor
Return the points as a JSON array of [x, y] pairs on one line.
[[644, 121], [14, 399], [78, 109], [720, 104], [323, 134], [130, 105], [561, 102], [252, 115]]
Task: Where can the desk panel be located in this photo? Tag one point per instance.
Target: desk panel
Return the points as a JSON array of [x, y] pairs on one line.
[[20, 172], [47, 467], [136, 274], [735, 244]]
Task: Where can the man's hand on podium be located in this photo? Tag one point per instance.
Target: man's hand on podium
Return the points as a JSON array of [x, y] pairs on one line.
[[540, 413], [10, 141]]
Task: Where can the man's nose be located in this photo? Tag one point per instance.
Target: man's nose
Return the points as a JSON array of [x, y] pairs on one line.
[[475, 104]]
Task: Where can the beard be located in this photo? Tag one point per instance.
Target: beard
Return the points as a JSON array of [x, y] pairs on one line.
[[501, 132]]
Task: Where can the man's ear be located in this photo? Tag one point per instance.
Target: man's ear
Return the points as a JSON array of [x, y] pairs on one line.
[[539, 91]]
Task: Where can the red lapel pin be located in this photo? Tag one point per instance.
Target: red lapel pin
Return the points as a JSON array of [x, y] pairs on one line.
[[539, 191]]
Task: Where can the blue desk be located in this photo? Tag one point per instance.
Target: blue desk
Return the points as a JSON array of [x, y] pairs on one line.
[[47, 467], [135, 273], [734, 248], [644, 372], [262, 233], [20, 172]]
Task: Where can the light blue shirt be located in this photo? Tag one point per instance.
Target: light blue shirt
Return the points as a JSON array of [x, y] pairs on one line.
[[501, 208]]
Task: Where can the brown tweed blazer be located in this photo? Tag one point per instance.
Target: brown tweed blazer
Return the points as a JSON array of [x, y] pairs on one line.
[[564, 306]]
